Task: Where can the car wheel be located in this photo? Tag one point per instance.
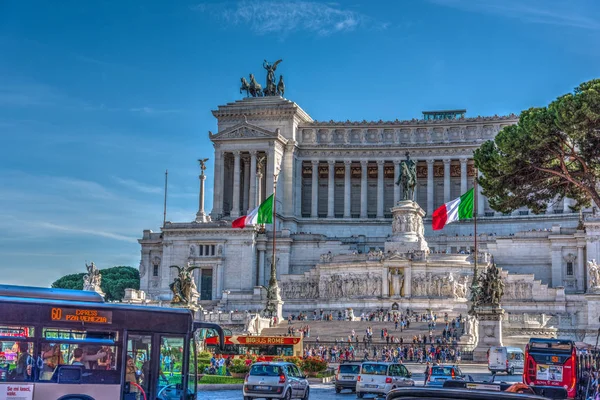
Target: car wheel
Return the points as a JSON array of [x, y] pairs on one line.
[[288, 395], [306, 394], [337, 389], [247, 398]]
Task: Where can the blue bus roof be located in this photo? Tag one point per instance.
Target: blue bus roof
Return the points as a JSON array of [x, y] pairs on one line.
[[68, 297], [50, 293]]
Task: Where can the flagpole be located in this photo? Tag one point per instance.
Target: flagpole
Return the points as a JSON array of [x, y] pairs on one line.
[[272, 291], [475, 277], [165, 202]]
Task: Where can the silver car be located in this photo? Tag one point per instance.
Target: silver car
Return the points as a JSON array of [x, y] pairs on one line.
[[381, 377], [275, 380]]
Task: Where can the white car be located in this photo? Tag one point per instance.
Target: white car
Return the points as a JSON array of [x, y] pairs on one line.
[[275, 380], [379, 378]]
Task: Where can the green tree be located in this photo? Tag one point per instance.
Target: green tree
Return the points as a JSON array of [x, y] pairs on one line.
[[553, 152], [114, 281]]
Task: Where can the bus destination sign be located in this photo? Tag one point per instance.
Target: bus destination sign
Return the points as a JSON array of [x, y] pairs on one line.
[[81, 315]]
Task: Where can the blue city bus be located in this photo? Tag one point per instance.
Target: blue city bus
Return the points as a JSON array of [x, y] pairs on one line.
[[58, 344]]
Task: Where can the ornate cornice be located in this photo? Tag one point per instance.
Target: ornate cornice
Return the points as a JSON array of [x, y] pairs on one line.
[[414, 121]]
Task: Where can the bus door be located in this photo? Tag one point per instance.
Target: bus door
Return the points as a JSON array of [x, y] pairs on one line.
[[139, 371], [173, 365]]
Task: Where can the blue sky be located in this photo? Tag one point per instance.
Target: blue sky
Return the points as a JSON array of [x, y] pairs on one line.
[[97, 99]]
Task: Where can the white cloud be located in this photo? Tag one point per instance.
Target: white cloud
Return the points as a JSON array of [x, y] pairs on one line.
[[87, 231], [139, 186], [550, 12], [264, 17], [153, 111]]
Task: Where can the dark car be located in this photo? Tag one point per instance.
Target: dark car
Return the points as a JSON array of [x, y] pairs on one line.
[[420, 393], [443, 373], [346, 375]]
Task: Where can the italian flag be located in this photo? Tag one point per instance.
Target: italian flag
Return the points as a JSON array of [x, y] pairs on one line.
[[262, 214], [455, 210]]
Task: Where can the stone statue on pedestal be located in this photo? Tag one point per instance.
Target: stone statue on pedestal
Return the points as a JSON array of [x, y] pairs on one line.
[[396, 282], [593, 277], [93, 279], [183, 287], [408, 178]]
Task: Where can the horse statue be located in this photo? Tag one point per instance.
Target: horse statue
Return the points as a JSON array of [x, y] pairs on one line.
[[281, 86], [255, 87], [245, 86], [407, 178]]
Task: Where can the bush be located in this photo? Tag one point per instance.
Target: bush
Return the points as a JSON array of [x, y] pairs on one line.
[[297, 361], [314, 364], [239, 366]]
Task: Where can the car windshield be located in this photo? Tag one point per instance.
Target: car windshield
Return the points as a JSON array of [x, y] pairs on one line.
[[374, 369], [442, 371], [349, 369], [265, 370]]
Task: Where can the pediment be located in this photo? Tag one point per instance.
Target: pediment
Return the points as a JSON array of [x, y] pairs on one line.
[[244, 131]]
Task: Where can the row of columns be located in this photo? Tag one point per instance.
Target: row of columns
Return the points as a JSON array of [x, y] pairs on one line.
[[252, 183], [380, 186]]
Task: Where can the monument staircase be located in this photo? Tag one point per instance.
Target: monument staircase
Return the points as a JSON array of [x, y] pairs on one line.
[[329, 331]]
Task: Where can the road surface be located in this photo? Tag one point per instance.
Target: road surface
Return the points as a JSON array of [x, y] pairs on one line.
[[327, 391]]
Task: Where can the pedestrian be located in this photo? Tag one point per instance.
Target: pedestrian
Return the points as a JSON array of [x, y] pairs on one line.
[[427, 373]]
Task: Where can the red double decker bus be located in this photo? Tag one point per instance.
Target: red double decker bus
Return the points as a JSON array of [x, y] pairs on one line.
[[264, 347], [552, 363]]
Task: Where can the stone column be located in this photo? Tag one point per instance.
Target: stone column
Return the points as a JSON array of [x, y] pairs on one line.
[[580, 273], [261, 263], [397, 187], [220, 276], [314, 212], [380, 188], [246, 188], [217, 209], [347, 187], [235, 208], [480, 199], [298, 188], [269, 175], [330, 189], [363, 189], [385, 282], [447, 180], [201, 215], [430, 208], [408, 282], [286, 179], [252, 194], [556, 266], [463, 176]]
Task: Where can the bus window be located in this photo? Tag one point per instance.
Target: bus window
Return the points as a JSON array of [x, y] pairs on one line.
[[139, 348], [170, 367], [17, 362]]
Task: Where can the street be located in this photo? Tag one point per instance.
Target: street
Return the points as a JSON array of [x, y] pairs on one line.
[[326, 391]]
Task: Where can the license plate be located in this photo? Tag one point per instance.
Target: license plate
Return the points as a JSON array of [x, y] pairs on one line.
[[348, 377], [262, 387], [370, 386]]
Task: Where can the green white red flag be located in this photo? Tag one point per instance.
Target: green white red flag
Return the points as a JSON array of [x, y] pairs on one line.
[[262, 214], [455, 210]]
